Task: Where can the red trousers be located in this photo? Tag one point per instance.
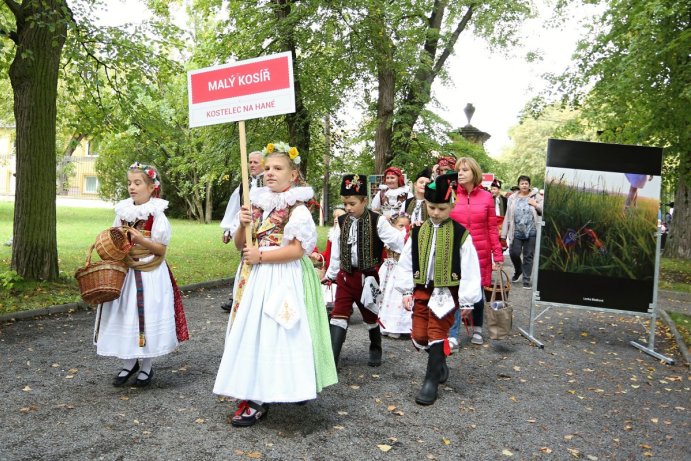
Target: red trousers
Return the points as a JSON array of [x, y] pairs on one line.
[[426, 326], [349, 291]]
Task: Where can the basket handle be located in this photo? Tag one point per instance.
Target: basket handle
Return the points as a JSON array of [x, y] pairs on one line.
[[323, 260], [499, 283], [126, 231], [88, 255]]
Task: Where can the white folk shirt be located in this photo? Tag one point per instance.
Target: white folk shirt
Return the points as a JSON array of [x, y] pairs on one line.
[[469, 289], [389, 235], [233, 207]]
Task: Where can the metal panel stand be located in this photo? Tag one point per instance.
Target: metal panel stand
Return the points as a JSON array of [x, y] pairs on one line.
[[536, 304]]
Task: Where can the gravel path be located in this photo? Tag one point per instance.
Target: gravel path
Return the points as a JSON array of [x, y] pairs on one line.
[[587, 395]]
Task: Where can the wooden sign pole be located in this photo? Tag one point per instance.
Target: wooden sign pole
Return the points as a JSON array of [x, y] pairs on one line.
[[245, 179]]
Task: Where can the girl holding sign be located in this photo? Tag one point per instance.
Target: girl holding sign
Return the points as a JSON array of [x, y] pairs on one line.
[[278, 349]]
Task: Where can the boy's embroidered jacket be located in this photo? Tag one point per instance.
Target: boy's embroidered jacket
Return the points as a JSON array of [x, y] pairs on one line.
[[447, 252], [469, 287], [361, 241]]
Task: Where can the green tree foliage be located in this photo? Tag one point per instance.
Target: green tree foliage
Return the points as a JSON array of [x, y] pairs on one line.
[[632, 80], [528, 149], [50, 48], [405, 46]]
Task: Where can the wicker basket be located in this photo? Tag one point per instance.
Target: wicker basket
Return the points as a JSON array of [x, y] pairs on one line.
[[101, 281], [113, 244]]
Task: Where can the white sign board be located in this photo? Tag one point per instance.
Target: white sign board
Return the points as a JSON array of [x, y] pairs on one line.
[[243, 90]]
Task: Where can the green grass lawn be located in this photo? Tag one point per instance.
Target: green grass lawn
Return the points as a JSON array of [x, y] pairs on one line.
[[683, 323], [195, 254]]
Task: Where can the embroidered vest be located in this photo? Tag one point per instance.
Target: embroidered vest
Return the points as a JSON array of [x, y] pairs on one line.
[[369, 245], [447, 252], [269, 232], [259, 183], [410, 208]]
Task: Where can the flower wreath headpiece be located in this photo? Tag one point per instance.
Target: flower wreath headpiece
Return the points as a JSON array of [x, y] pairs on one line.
[[149, 171], [283, 147]]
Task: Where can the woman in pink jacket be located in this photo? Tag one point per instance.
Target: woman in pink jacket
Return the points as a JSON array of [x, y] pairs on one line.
[[475, 211]]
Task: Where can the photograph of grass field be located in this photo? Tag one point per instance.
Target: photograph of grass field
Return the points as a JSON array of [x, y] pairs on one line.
[[591, 231], [598, 239]]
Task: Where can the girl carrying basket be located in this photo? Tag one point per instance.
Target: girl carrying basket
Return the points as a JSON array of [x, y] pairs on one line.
[[148, 319]]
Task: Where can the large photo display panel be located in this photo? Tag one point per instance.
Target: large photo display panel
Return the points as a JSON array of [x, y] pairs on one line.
[[598, 244]]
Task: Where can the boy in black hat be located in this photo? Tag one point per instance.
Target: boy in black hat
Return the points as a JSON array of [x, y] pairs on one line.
[[438, 272], [356, 256]]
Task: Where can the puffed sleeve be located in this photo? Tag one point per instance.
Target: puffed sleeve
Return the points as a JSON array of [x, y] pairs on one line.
[[376, 201], [160, 232], [403, 279], [301, 227], [469, 289], [335, 260], [392, 237]]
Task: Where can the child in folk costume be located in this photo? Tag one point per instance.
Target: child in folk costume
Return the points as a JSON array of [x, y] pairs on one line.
[[355, 259], [393, 320], [390, 199], [148, 319], [415, 205], [438, 272], [328, 291], [277, 349]]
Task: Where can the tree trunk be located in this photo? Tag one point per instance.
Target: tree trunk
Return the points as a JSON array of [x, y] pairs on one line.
[[420, 88], [679, 240], [386, 87], [327, 165], [298, 122], [209, 203], [384, 130], [41, 31]]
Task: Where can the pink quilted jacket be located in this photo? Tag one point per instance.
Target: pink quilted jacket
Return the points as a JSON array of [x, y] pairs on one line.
[[476, 213]]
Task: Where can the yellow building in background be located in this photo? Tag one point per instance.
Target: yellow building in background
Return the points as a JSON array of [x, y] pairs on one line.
[[76, 173]]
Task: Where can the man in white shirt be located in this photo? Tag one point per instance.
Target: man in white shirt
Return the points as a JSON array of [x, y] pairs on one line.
[[256, 167]]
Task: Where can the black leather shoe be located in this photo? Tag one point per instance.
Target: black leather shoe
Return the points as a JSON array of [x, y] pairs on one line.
[[147, 381], [227, 306], [121, 380]]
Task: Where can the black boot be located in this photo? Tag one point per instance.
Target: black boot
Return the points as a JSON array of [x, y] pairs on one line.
[[374, 347], [338, 335], [435, 361], [444, 371]]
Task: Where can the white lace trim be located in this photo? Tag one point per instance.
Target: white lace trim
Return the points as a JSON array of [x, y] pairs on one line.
[[394, 193], [127, 210], [267, 200], [300, 226]]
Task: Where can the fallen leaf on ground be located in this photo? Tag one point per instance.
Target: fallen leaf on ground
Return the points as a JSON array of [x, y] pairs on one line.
[[254, 455], [391, 407], [339, 427], [199, 420], [355, 386], [506, 452], [546, 450], [446, 441], [384, 447]]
